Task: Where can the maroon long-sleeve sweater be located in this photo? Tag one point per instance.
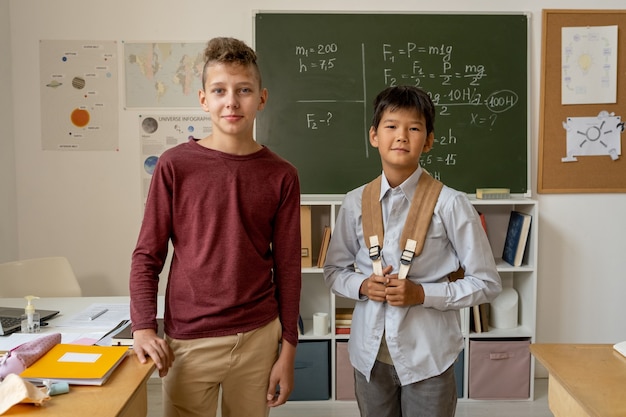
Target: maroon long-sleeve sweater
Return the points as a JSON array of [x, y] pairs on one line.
[[234, 224]]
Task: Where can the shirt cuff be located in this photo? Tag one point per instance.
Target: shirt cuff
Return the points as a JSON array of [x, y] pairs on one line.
[[435, 295]]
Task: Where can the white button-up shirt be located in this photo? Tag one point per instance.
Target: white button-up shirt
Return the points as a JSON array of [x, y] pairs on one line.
[[423, 340]]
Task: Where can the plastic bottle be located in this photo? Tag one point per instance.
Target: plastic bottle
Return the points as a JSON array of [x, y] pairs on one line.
[[30, 318]]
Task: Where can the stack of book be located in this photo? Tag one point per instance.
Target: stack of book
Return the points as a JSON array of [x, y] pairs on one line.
[[76, 364], [343, 320]]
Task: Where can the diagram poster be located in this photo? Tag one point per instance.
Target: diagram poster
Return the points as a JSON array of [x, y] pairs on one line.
[[79, 95], [164, 74], [589, 65], [159, 132]]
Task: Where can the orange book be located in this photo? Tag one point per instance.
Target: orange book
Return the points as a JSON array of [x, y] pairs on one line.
[[76, 364]]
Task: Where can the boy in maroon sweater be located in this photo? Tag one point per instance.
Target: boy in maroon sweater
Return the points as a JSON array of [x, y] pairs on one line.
[[231, 209]]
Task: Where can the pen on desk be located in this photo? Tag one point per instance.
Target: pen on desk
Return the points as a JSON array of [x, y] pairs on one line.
[[98, 314]]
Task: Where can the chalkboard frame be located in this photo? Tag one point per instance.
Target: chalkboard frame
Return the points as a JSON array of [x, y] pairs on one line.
[[522, 174]]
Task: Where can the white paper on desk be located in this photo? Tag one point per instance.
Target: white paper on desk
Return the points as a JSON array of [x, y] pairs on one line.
[[111, 318], [80, 357]]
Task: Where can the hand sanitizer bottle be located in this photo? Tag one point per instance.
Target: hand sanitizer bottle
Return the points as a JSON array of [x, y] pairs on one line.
[[30, 319]]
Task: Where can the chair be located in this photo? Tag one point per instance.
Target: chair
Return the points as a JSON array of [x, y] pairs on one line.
[[43, 277]]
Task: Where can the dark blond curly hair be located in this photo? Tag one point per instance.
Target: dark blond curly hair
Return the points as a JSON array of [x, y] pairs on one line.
[[229, 51]]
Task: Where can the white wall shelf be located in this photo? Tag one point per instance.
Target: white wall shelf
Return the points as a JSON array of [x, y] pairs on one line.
[[316, 297]]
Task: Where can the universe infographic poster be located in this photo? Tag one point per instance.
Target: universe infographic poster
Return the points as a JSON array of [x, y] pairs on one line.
[[159, 132], [79, 95]]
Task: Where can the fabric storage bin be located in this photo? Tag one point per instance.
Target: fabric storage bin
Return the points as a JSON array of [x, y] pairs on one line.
[[458, 374], [499, 369], [344, 377], [312, 371]]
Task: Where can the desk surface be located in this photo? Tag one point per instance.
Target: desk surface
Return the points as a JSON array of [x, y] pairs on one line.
[[124, 394], [593, 375]]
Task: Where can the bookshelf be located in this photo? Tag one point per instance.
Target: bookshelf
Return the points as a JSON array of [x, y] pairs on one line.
[[316, 297]]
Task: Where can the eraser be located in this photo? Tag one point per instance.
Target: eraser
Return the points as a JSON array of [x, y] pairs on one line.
[[59, 388], [492, 193]]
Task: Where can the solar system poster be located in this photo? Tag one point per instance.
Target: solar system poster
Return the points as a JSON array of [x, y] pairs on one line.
[[79, 95]]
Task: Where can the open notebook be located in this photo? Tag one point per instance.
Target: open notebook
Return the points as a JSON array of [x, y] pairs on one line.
[[10, 318]]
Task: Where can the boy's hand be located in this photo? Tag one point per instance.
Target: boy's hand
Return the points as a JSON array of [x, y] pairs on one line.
[[147, 343], [403, 292], [374, 286]]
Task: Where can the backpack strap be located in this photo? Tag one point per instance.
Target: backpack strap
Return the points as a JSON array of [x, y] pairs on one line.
[[372, 221], [415, 227], [418, 220]]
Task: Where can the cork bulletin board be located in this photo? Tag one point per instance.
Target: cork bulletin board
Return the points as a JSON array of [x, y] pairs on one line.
[[558, 171]]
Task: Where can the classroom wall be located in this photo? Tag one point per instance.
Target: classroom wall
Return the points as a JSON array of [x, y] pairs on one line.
[[8, 206], [88, 205]]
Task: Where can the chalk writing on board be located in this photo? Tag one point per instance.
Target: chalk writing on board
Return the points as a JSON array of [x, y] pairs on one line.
[[405, 64]]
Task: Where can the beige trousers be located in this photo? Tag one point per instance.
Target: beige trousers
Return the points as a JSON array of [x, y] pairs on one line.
[[239, 364]]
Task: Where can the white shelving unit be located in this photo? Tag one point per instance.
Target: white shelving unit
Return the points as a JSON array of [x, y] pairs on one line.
[[316, 297]]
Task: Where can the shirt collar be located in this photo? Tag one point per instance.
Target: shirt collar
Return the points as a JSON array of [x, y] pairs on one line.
[[407, 187]]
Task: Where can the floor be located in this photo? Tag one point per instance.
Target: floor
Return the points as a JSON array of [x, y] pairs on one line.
[[536, 408]]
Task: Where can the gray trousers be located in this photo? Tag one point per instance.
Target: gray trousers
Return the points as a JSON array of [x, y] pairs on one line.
[[383, 396]]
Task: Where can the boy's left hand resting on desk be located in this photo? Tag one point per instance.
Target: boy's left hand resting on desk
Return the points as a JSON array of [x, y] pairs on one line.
[[147, 343]]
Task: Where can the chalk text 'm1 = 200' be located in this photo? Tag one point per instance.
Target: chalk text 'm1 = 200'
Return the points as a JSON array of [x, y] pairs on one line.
[[323, 51]]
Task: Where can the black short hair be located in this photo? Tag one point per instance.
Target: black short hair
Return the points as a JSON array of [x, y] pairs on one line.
[[404, 97]]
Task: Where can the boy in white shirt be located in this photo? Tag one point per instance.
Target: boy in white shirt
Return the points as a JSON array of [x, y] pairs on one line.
[[405, 334]]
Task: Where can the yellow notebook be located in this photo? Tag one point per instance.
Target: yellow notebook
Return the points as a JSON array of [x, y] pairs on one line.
[[76, 364]]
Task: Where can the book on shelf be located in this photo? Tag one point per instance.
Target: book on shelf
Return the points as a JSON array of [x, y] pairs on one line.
[[305, 236], [76, 364], [343, 313], [483, 221], [516, 238], [324, 247], [484, 316], [342, 330], [479, 318], [300, 325], [343, 322], [475, 324], [125, 336]]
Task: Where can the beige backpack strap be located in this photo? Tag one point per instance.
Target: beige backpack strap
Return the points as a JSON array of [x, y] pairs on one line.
[[415, 228], [372, 221], [418, 221], [421, 211]]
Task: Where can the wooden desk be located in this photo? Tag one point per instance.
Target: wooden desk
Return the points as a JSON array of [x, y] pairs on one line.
[[123, 395], [584, 380]]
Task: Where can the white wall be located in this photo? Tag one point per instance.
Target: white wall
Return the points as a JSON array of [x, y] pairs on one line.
[[8, 206], [87, 205]]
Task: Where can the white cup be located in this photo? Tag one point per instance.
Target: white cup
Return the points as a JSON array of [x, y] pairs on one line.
[[320, 324]]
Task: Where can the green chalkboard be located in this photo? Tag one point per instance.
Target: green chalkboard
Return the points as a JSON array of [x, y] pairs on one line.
[[323, 71]]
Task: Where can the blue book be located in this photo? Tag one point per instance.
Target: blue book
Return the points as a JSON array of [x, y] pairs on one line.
[[516, 238]]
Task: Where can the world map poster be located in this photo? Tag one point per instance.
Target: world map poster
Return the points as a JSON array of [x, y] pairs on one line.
[[163, 74]]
